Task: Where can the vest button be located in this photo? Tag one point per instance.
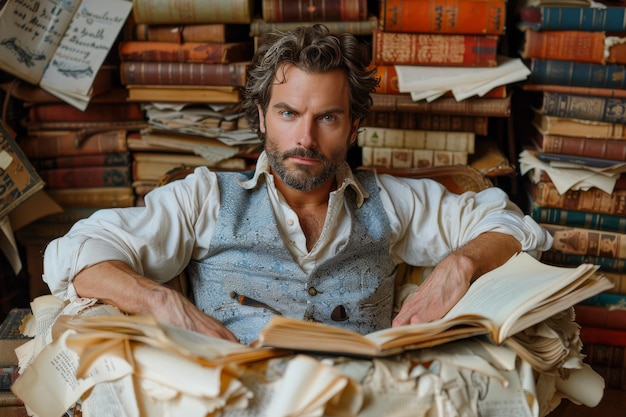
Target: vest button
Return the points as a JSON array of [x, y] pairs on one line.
[[312, 291]]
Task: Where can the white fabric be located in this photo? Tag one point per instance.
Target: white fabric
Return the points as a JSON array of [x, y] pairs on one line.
[[177, 224]]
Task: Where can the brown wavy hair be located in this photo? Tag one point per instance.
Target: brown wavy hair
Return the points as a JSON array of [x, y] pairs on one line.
[[312, 49]]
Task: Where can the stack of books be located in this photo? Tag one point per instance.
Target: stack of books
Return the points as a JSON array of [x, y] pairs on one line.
[[187, 71], [81, 168], [577, 93], [414, 43], [603, 333]]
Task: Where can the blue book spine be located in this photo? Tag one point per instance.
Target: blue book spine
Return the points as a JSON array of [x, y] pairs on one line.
[[588, 220], [579, 74], [591, 19], [568, 259], [605, 299]]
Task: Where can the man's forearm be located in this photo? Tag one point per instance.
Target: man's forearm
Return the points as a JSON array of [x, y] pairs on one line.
[[488, 251], [117, 284]]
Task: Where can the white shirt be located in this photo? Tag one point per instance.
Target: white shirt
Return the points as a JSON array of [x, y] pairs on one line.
[[178, 221]]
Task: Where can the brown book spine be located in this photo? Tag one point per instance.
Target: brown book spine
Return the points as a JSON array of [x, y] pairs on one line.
[[183, 73], [189, 12], [210, 33], [93, 176], [62, 112], [65, 145], [591, 147], [476, 124], [443, 16], [356, 27], [563, 126], [593, 200], [581, 241], [98, 197], [210, 53], [433, 49], [572, 45], [311, 11], [475, 106], [105, 159]]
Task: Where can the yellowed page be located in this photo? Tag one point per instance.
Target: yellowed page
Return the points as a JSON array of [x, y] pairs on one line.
[[82, 50], [29, 35], [308, 386], [506, 293], [49, 385]]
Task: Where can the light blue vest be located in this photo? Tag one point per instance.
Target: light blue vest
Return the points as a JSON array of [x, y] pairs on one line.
[[248, 267]]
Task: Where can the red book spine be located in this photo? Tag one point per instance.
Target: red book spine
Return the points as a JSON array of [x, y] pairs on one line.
[[600, 317], [602, 336], [210, 53], [434, 49], [487, 17], [93, 176], [95, 112], [313, 10], [65, 145], [183, 73]]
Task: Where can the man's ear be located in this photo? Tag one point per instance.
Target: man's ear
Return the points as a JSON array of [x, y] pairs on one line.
[[354, 132], [261, 119]]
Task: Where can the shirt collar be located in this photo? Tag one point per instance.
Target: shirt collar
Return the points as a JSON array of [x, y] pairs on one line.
[[345, 177]]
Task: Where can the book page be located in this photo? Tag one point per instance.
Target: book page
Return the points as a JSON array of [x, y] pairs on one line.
[[29, 34], [83, 48], [506, 293]]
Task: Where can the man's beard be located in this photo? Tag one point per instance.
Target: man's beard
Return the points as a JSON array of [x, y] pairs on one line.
[[302, 177]]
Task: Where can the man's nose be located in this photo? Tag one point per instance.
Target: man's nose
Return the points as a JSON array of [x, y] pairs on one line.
[[307, 134]]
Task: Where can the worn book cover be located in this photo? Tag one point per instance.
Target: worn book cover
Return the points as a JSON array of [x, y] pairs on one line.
[[18, 180], [486, 17], [309, 11], [389, 48]]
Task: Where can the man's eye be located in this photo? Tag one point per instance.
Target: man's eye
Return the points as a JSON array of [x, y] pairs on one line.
[[329, 118], [287, 114]]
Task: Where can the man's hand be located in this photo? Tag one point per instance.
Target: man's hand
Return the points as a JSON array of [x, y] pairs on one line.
[[117, 284], [446, 284], [451, 278]]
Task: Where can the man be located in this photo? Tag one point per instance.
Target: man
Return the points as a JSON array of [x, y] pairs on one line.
[[302, 235]]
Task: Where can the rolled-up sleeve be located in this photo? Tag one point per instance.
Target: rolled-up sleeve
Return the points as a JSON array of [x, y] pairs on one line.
[[157, 240], [428, 222]]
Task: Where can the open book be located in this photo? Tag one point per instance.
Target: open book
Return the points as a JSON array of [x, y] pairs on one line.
[[503, 302], [60, 45]]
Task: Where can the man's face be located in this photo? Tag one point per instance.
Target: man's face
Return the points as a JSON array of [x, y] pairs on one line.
[[307, 126]]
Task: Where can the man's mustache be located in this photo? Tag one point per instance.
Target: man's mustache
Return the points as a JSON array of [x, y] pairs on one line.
[[303, 153]]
